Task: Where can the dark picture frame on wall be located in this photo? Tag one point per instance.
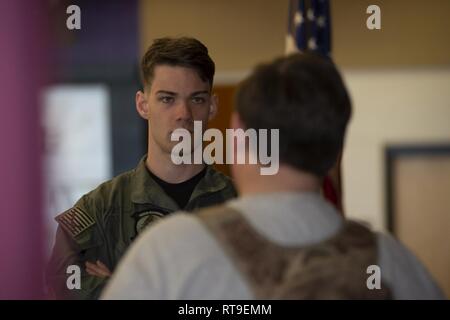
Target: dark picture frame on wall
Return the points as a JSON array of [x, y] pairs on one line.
[[418, 203], [395, 153]]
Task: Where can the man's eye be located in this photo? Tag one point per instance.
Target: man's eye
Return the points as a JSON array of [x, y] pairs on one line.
[[166, 99], [198, 100]]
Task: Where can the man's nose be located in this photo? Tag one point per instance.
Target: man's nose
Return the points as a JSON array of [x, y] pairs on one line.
[[184, 111]]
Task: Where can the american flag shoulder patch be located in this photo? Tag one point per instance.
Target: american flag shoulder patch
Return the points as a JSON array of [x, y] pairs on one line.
[[75, 221]]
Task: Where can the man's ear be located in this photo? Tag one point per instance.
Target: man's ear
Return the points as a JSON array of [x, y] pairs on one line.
[[142, 105], [213, 107], [236, 122]]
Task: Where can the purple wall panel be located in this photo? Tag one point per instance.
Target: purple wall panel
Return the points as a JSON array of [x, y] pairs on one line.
[[23, 39]]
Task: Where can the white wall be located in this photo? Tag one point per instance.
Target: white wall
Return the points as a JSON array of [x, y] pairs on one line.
[[392, 106]]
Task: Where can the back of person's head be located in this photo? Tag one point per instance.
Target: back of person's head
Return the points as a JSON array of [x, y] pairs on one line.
[[184, 52], [303, 96]]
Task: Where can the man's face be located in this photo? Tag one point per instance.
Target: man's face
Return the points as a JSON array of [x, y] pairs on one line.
[[176, 98]]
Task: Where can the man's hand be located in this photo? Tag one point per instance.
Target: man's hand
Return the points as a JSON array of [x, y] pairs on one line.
[[98, 269]]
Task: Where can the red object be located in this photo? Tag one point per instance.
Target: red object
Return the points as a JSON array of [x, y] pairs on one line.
[[331, 194]]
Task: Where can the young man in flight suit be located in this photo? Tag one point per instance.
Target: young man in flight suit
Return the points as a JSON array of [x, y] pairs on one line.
[[177, 79]]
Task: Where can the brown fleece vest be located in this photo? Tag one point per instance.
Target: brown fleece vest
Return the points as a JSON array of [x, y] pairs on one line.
[[332, 269]]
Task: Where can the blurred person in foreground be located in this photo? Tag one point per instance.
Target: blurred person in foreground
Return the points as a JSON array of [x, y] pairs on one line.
[[177, 75], [279, 239]]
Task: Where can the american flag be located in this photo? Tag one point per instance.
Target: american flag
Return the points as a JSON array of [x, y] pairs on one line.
[[309, 30], [309, 26]]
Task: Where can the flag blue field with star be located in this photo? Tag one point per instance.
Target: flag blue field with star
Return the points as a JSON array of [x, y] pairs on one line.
[[309, 26]]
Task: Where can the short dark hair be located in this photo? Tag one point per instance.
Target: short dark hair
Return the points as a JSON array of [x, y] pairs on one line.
[[304, 96], [184, 52]]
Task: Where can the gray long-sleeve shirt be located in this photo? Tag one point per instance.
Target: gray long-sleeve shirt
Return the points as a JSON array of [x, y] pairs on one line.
[[179, 259]]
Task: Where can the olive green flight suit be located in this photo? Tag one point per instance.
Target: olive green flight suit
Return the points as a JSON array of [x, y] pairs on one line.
[[104, 222]]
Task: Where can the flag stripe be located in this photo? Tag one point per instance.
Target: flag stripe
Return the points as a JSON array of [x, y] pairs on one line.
[[75, 221]]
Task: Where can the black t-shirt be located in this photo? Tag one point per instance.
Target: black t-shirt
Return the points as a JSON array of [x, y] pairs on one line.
[[180, 192]]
